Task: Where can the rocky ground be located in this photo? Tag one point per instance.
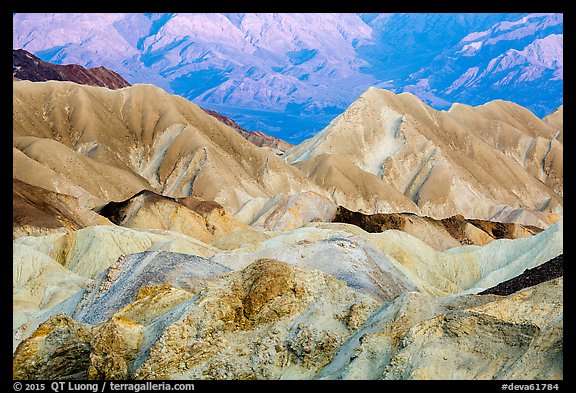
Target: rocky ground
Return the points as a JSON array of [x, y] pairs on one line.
[[272, 320]]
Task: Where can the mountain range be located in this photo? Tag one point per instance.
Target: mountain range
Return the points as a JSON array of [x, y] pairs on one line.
[[26, 66], [144, 224], [156, 239], [289, 74]]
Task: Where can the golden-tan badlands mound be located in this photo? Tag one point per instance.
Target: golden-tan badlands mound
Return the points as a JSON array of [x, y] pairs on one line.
[[26, 66], [387, 153], [468, 160], [107, 145], [202, 220]]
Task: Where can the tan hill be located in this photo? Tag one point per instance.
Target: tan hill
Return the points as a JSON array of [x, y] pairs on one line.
[[26, 66], [386, 154], [37, 211], [106, 145], [47, 163], [101, 169], [469, 160], [287, 212], [206, 221]]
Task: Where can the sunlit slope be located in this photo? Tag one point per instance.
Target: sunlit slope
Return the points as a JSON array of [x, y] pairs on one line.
[[113, 143], [469, 160]]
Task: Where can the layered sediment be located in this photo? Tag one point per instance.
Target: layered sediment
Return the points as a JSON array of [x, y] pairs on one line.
[[152, 241]]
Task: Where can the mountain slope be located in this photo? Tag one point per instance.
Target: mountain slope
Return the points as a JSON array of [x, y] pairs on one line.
[[138, 138], [387, 153], [469, 160], [29, 67], [514, 57], [262, 69]]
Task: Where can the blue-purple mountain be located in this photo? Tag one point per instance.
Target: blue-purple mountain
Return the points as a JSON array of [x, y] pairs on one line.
[[291, 74]]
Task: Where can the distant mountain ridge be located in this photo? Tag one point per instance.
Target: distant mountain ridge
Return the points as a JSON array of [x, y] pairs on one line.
[[29, 67], [290, 74], [26, 66]]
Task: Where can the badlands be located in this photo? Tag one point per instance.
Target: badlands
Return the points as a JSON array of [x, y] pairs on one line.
[[151, 240]]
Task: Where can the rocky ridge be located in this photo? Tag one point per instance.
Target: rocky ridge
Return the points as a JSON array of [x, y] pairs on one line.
[[474, 161], [151, 241], [447, 232], [26, 66]]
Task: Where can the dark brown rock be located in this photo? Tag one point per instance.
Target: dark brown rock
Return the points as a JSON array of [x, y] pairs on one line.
[[36, 210], [29, 208], [204, 208], [373, 223], [501, 230], [550, 270], [26, 66], [116, 211], [455, 225]]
